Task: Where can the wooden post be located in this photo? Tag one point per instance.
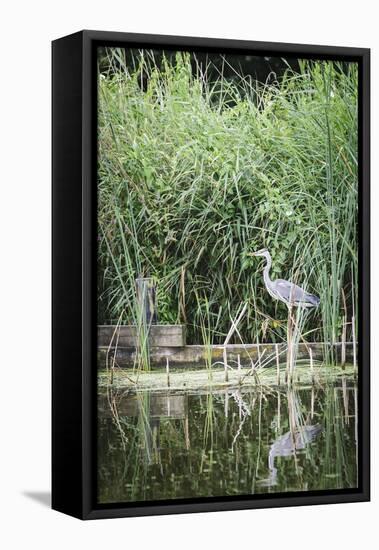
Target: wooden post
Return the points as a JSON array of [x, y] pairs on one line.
[[343, 335], [311, 364], [225, 364], [239, 369], [258, 355], [146, 298], [277, 364], [354, 342], [343, 343], [168, 372]]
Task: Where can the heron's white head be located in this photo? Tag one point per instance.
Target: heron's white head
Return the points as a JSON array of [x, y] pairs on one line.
[[261, 252]]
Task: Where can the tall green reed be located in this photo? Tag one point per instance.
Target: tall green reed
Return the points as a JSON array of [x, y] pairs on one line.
[[194, 174]]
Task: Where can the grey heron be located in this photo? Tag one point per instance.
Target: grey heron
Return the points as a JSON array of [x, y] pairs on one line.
[[285, 291], [292, 295]]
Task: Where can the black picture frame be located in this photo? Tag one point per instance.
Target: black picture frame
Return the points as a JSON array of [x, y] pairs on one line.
[[74, 148]]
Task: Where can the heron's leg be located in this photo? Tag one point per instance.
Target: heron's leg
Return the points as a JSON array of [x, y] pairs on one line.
[[294, 339], [289, 345], [296, 333]]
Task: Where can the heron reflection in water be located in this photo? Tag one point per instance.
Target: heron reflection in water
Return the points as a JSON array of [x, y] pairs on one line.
[[287, 445], [299, 437]]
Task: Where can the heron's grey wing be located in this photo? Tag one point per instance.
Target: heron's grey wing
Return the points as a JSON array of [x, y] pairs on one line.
[[294, 294], [289, 291]]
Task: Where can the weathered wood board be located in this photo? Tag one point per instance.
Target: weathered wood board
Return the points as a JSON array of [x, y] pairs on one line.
[[185, 356], [172, 336]]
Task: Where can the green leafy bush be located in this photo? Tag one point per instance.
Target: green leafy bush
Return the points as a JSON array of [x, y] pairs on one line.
[[194, 173]]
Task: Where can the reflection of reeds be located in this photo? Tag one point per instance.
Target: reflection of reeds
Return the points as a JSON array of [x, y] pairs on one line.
[[186, 426], [336, 464], [303, 439], [113, 407], [243, 414], [209, 422], [356, 429], [144, 427]]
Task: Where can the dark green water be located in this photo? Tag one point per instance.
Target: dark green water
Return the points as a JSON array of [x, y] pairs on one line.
[[154, 446]]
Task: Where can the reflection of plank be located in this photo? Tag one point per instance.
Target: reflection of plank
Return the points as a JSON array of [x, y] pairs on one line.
[[167, 405], [159, 335], [159, 406]]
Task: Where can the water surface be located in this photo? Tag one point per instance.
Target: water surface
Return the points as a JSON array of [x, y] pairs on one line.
[[159, 445]]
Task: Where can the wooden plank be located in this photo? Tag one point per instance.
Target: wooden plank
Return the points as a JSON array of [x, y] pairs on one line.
[[185, 356], [159, 335]]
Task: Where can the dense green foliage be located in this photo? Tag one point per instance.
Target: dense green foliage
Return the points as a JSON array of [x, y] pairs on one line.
[[196, 173]]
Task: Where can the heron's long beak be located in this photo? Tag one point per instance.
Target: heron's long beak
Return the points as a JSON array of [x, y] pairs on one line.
[[258, 252]]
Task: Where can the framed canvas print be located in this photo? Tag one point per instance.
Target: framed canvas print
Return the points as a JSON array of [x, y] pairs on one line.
[[210, 274]]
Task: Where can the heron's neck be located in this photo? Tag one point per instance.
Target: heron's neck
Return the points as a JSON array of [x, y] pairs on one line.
[[266, 275]]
